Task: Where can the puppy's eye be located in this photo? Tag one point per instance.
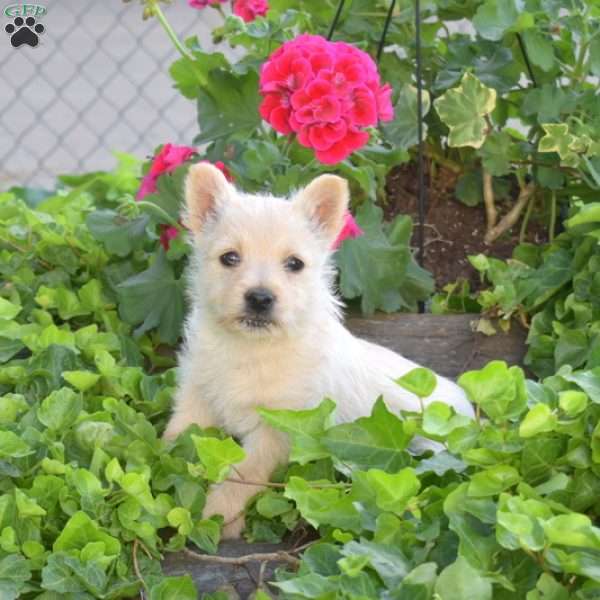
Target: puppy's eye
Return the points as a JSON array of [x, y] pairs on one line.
[[230, 259], [294, 264]]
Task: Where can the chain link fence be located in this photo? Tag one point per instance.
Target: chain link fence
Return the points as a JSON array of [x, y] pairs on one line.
[[97, 82]]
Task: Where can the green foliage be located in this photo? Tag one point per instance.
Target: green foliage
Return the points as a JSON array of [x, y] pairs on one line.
[[507, 508]]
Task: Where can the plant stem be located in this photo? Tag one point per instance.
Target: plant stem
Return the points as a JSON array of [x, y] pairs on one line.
[[170, 32], [280, 556], [491, 214], [552, 225], [526, 217], [512, 216]]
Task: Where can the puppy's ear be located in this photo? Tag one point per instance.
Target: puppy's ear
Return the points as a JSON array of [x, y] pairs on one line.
[[325, 201], [205, 189]]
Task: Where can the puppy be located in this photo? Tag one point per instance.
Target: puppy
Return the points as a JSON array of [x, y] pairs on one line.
[[265, 328]]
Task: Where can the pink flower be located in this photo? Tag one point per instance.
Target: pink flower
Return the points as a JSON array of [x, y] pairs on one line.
[[199, 4], [350, 229], [167, 160], [326, 93], [167, 233], [248, 10]]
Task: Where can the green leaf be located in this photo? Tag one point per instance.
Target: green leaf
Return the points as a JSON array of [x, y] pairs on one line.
[[323, 506], [460, 580], [305, 428], [539, 419], [393, 491], [60, 409], [379, 269], [174, 588], [228, 106], [492, 481], [120, 235], [494, 17], [80, 530], [547, 588], [14, 574], [558, 139], [8, 310], [81, 380], [418, 584], [497, 389], [402, 131], [572, 402], [439, 420], [496, 153], [419, 381], [572, 530], [378, 441], [539, 49], [463, 109], [12, 446], [217, 456], [139, 304]]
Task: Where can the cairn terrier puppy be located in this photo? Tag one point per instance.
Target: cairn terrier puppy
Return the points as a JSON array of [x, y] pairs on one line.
[[265, 327]]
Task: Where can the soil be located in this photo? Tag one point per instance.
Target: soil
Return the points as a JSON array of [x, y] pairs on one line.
[[453, 231]]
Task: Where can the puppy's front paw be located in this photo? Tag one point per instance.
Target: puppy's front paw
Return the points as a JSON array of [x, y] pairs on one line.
[[225, 499]]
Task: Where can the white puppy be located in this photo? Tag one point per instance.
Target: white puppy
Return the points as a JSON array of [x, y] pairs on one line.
[[265, 327]]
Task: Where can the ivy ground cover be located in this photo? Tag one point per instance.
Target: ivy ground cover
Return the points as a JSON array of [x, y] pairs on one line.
[[91, 497]]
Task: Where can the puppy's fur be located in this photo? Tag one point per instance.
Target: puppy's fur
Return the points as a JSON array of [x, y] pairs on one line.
[[291, 356]]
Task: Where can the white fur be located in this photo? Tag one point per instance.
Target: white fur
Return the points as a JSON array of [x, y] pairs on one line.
[[228, 370]]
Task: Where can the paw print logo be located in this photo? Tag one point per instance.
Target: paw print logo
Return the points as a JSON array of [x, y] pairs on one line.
[[24, 31]]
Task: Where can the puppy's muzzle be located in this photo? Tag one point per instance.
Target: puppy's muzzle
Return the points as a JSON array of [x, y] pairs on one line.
[[259, 301]]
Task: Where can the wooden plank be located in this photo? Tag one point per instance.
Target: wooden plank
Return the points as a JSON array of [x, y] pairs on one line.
[[446, 344]]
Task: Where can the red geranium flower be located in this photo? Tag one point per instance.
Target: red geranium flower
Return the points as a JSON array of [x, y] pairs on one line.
[[326, 93], [248, 10], [351, 229], [168, 159]]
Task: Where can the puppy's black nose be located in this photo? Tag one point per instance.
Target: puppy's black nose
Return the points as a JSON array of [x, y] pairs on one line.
[[259, 300]]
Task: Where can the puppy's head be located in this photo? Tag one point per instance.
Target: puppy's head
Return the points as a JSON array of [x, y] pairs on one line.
[[262, 263]]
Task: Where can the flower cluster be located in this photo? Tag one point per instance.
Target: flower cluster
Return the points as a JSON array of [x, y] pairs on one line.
[[326, 93], [168, 159], [248, 10]]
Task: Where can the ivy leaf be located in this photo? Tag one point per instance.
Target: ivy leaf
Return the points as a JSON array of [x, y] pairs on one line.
[[323, 506], [140, 304], [14, 574], [174, 588], [402, 131], [8, 310], [305, 428], [498, 389], [558, 139], [462, 109], [217, 456], [419, 381], [539, 419], [60, 409], [378, 441], [393, 490], [12, 446], [460, 580]]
